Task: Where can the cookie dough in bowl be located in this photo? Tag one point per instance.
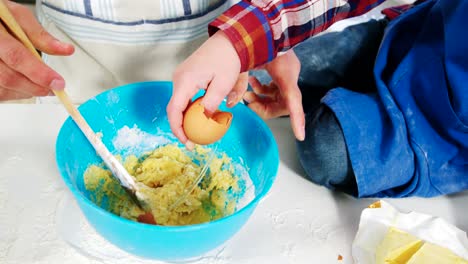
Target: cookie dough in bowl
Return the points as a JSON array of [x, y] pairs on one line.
[[164, 175]]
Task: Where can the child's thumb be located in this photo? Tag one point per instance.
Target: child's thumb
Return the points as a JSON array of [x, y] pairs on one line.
[[215, 94]]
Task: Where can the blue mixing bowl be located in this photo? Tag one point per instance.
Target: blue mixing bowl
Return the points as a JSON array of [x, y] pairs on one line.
[[248, 142]]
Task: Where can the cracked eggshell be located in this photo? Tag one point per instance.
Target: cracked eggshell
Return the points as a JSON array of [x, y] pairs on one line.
[[201, 129]]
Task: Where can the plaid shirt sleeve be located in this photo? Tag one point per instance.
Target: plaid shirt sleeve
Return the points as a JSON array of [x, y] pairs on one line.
[[393, 12], [259, 29]]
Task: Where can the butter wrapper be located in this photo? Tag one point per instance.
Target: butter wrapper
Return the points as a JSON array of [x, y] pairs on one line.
[[379, 217]]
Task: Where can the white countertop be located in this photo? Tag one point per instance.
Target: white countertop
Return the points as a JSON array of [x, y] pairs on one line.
[[298, 222]]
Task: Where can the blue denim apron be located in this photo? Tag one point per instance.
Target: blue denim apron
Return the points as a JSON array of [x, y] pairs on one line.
[[411, 138]]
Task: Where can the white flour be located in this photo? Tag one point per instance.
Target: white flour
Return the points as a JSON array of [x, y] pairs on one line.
[[135, 141]]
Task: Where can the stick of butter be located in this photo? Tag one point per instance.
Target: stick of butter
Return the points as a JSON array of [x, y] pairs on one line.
[[394, 240], [433, 254], [399, 247], [403, 254]]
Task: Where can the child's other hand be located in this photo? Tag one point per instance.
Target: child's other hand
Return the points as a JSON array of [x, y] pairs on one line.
[[215, 66], [282, 96]]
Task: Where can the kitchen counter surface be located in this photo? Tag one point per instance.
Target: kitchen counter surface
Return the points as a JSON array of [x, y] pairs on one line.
[[298, 222]]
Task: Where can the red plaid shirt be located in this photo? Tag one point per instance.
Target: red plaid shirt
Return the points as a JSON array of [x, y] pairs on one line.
[[259, 29]]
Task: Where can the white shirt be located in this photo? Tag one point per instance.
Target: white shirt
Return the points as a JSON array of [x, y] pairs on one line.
[[124, 41]]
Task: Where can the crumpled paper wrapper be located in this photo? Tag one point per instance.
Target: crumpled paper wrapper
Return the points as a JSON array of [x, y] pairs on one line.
[[380, 216]]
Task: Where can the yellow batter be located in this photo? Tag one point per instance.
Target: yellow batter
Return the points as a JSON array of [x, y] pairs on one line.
[[165, 174]]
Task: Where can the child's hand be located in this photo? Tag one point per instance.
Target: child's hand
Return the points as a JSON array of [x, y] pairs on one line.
[[282, 96], [21, 74], [215, 67]]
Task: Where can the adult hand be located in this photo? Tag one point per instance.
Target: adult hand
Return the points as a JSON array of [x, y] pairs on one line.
[[21, 74], [215, 66], [282, 96]]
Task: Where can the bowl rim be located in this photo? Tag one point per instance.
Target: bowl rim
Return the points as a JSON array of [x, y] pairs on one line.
[[83, 199]]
